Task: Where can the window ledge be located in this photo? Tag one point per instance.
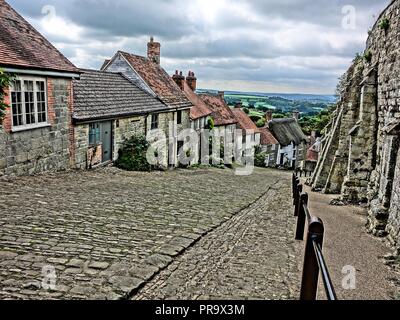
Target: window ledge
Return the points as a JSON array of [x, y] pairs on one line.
[[26, 128]]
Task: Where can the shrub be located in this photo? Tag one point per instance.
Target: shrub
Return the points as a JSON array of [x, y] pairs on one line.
[[246, 110], [5, 81], [132, 157], [261, 123], [368, 56], [210, 123], [259, 158], [384, 24]]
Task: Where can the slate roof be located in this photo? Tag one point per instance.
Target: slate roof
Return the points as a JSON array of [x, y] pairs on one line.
[[22, 46], [267, 138], [159, 81], [221, 113], [286, 131], [199, 109], [104, 95], [244, 122]]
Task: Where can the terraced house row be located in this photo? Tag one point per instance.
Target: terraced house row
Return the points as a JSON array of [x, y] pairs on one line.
[[61, 117]]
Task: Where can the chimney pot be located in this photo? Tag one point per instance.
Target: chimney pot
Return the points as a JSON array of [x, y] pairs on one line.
[[191, 81], [179, 79], [154, 51]]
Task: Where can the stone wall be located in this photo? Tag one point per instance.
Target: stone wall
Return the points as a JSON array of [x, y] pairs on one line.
[[42, 149], [360, 158]]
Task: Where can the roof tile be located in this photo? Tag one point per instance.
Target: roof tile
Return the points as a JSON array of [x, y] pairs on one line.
[[102, 95], [159, 81], [221, 112], [22, 46]]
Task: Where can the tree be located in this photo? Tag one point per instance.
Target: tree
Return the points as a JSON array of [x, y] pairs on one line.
[[5, 81], [246, 110]]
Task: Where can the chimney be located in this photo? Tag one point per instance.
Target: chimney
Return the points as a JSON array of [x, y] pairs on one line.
[[191, 80], [238, 105], [269, 116], [154, 51], [179, 79], [221, 94], [296, 115]]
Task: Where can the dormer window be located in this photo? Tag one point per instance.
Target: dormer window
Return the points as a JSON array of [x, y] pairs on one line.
[[28, 103]]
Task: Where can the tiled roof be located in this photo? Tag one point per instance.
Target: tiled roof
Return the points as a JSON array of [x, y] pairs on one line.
[[244, 122], [221, 112], [103, 95], [22, 46], [267, 138], [159, 81], [199, 109], [286, 131]]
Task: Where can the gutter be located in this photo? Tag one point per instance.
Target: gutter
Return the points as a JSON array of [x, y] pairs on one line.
[[43, 73]]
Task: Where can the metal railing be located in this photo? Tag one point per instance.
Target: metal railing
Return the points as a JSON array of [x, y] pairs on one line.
[[314, 262]]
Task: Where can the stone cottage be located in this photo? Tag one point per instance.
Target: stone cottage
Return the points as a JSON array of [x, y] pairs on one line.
[[36, 132], [200, 113], [292, 141], [223, 117], [360, 156], [148, 75], [108, 110], [269, 145], [249, 129]]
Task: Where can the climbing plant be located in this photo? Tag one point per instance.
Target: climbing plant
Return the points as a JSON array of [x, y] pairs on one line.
[[5, 81]]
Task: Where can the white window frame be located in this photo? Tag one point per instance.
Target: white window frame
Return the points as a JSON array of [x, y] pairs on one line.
[[36, 124]]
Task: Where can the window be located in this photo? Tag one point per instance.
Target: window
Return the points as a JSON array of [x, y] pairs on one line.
[[154, 121], [94, 134], [28, 102], [179, 117]]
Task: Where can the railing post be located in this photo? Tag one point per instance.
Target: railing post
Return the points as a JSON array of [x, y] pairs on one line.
[[301, 219], [297, 199], [295, 189], [309, 284]]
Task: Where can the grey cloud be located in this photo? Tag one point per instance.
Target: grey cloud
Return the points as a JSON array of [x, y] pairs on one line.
[[233, 47]]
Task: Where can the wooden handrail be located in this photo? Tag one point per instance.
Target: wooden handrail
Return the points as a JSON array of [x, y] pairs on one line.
[[314, 262]]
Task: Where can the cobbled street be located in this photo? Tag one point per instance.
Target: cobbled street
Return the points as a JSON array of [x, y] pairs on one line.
[[108, 234]]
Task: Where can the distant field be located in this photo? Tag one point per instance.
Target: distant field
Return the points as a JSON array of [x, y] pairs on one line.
[[258, 103]]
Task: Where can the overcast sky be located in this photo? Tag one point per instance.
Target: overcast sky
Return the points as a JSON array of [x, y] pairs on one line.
[[293, 46]]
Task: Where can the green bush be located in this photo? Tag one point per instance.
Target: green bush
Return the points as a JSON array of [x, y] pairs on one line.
[[132, 157], [368, 56], [261, 123], [384, 24], [210, 123], [5, 81], [246, 110], [259, 158]]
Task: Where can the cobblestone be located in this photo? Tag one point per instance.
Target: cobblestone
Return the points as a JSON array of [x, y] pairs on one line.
[[100, 230], [252, 256]]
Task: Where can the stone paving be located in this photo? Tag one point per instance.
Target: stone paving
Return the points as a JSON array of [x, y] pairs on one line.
[[252, 256], [107, 232]]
